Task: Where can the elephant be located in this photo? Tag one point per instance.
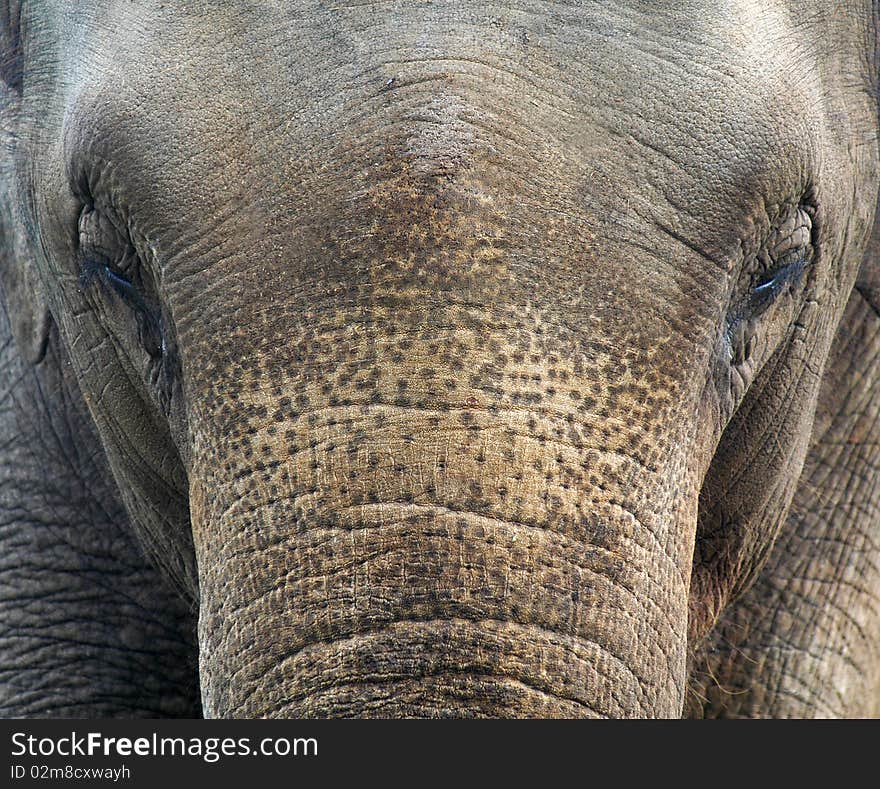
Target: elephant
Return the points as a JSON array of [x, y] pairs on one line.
[[439, 359]]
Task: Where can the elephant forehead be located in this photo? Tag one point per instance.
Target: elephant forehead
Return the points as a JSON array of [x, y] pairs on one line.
[[693, 103]]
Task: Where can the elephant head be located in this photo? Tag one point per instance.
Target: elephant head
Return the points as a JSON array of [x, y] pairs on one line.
[[453, 359]]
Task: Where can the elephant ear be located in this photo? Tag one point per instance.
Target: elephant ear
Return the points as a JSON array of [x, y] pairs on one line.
[[868, 282], [20, 284]]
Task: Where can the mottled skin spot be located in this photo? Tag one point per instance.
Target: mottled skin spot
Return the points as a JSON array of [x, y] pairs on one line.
[[466, 404]]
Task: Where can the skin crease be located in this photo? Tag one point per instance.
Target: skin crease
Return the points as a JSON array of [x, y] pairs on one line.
[[451, 386]]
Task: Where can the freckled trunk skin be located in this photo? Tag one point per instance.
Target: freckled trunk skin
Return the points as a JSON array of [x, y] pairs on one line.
[[389, 526], [805, 640]]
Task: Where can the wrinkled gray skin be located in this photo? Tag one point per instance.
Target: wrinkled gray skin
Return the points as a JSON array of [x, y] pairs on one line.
[[445, 358]]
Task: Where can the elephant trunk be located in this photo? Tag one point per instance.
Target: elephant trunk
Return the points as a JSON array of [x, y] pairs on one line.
[[431, 555], [438, 436]]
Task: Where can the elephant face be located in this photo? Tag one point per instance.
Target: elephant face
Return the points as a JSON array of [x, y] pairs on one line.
[[458, 359]]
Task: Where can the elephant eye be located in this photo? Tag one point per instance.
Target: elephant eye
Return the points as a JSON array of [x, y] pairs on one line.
[[778, 267], [112, 282], [768, 289], [772, 277], [150, 328]]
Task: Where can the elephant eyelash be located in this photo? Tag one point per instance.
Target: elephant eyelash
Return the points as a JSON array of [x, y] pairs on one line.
[[151, 331], [757, 301], [771, 286], [114, 283]]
